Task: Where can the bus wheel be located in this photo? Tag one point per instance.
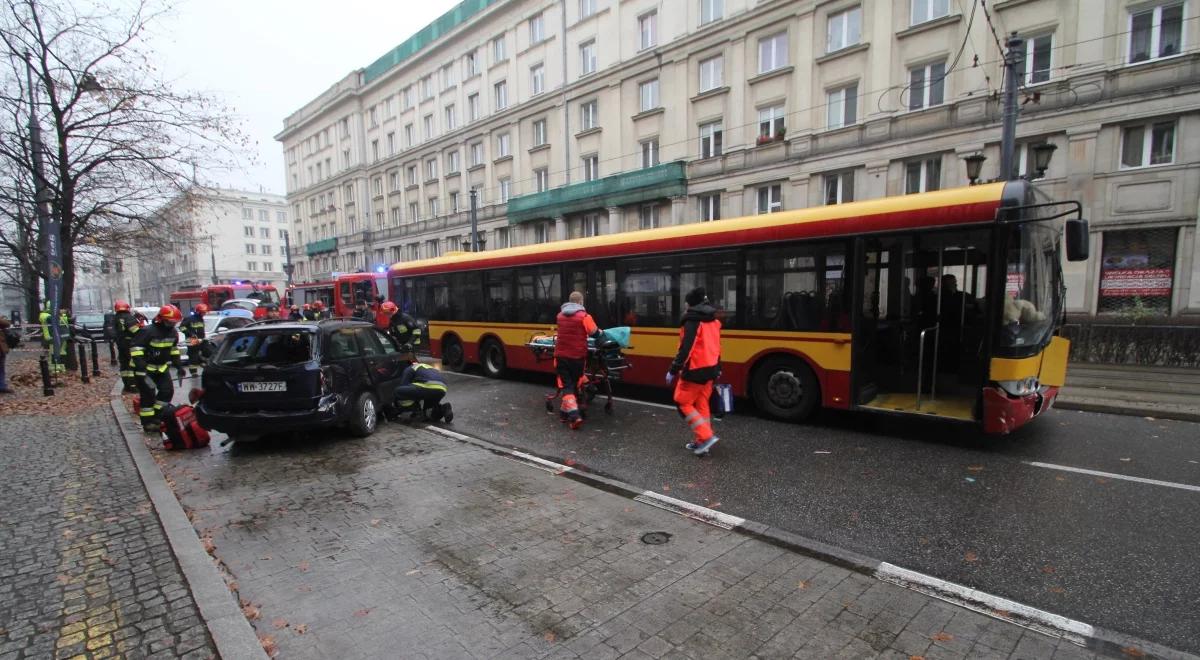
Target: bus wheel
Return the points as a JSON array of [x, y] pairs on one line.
[[492, 356], [452, 354], [785, 388]]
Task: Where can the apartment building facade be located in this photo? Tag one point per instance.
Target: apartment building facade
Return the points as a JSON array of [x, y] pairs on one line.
[[568, 118]]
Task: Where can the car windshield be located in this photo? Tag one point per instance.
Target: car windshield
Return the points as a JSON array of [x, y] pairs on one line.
[[89, 319], [1033, 290], [278, 348]]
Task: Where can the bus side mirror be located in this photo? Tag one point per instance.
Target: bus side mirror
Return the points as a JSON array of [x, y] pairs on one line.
[[1077, 240]]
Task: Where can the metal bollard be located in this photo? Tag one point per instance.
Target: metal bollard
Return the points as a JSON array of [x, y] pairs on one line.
[[44, 364], [83, 370], [112, 353], [95, 360]]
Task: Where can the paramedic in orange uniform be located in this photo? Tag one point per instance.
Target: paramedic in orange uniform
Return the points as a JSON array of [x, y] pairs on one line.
[[696, 367]]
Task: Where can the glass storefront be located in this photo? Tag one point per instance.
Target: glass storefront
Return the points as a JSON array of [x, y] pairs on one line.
[[1137, 271]]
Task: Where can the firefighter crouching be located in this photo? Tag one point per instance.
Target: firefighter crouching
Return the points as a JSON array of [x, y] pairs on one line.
[[126, 326], [421, 391], [193, 332], [154, 350]]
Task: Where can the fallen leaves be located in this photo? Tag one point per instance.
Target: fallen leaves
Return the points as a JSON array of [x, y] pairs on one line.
[[1057, 590], [1133, 652], [1048, 570], [942, 636], [269, 646], [971, 556], [803, 584], [363, 612], [974, 468], [208, 544], [550, 636], [303, 566], [300, 629], [279, 624], [252, 612]]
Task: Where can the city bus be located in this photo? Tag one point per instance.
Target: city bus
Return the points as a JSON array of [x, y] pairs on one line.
[[340, 293], [943, 304], [214, 295]]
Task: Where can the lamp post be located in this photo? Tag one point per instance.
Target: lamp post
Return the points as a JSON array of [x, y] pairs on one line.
[[288, 266], [474, 221], [1014, 67], [212, 256], [48, 226]]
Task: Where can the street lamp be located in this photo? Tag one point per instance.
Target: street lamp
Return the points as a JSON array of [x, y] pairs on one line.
[[1041, 158], [974, 167]]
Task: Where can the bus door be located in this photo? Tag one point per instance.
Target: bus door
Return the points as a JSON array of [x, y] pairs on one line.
[[919, 328]]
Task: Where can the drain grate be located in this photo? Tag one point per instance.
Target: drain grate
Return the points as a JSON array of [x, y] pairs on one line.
[[655, 538]]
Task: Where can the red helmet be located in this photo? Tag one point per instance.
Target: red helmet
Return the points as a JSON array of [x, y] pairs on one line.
[[201, 308], [121, 306], [306, 306], [319, 305], [169, 313], [388, 307]]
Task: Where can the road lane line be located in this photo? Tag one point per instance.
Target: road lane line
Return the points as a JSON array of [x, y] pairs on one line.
[[644, 403], [1097, 473], [689, 510], [983, 602]]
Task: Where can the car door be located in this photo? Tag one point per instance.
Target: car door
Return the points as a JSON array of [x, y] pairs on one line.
[[382, 360], [344, 358]]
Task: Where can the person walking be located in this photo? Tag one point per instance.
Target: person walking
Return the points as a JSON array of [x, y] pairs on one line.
[[193, 332], [5, 326], [696, 365], [126, 326], [575, 325], [154, 349]]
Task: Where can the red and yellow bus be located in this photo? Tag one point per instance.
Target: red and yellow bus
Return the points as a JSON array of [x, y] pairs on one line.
[[943, 304], [340, 293], [214, 295]]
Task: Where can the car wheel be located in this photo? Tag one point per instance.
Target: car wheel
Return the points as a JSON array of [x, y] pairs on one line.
[[785, 388], [453, 357], [365, 416], [493, 358]]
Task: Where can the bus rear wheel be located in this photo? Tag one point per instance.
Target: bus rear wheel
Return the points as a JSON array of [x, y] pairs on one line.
[[785, 388], [492, 356], [452, 354]]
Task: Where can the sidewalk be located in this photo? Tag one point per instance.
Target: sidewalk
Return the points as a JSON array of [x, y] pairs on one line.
[[1162, 392]]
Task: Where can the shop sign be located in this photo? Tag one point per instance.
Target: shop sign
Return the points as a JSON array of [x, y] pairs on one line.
[[1135, 282]]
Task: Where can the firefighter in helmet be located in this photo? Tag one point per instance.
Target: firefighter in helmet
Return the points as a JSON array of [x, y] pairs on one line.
[[126, 327], [405, 329], [155, 349], [46, 320], [193, 332]]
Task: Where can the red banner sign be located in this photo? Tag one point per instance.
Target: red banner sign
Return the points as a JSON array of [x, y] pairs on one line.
[[1135, 282]]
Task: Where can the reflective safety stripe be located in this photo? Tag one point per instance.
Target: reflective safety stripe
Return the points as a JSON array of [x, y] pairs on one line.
[[174, 351], [139, 373], [161, 343], [431, 386], [126, 374], [146, 413], [161, 368], [407, 403], [137, 351], [698, 422]]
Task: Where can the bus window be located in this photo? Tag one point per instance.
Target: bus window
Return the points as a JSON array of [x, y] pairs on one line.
[[442, 305], [498, 286], [717, 273], [648, 294], [539, 294], [798, 287], [602, 297], [468, 292]]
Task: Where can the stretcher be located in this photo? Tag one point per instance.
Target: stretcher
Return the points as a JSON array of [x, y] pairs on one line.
[[605, 363]]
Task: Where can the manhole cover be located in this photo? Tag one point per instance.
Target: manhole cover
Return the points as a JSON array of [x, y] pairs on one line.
[[655, 538]]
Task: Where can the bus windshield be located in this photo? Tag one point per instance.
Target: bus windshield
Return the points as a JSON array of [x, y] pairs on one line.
[[1033, 291]]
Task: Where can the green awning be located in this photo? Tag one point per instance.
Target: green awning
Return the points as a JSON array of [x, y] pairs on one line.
[[644, 185]]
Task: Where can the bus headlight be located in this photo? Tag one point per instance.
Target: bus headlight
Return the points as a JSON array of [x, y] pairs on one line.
[[1021, 387]]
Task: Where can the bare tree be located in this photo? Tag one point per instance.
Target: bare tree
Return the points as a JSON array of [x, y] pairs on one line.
[[120, 140]]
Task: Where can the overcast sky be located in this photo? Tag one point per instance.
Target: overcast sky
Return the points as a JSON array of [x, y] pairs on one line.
[[267, 58]]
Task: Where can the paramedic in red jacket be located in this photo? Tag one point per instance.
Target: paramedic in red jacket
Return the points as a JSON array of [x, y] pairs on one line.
[[696, 366], [575, 325]]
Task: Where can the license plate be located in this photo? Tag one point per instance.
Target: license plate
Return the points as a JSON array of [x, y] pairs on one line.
[[262, 387]]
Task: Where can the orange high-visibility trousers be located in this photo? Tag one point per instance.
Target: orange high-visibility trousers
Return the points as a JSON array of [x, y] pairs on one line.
[[692, 400]]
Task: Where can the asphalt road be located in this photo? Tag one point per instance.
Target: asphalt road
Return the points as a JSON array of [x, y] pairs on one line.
[[936, 498]]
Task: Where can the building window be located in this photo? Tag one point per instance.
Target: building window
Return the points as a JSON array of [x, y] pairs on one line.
[[502, 145], [711, 10], [409, 135], [501, 94], [427, 87], [395, 214], [541, 232], [712, 73], [473, 108], [406, 98], [251, 248], [433, 248], [499, 51], [587, 57], [377, 186], [448, 80], [431, 169], [373, 117], [476, 150], [647, 30], [771, 123], [1148, 144], [500, 238], [1156, 32], [248, 231], [537, 29], [843, 29], [451, 118], [454, 202], [1137, 271], [710, 207], [280, 216], [429, 127], [710, 139], [927, 10], [1038, 58], [453, 162], [537, 79], [591, 167], [648, 216], [505, 190], [393, 182], [586, 8], [434, 207], [839, 188], [252, 265], [770, 198], [842, 107], [587, 115], [648, 93], [772, 52], [923, 175], [539, 132], [541, 179], [414, 211], [471, 64], [650, 153], [590, 225], [391, 143], [926, 85], [411, 171]]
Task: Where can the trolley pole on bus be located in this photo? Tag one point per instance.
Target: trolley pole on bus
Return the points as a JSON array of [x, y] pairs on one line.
[[474, 223], [1014, 60]]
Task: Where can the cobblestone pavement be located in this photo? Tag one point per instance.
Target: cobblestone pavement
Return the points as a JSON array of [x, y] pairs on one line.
[[85, 569], [409, 544]]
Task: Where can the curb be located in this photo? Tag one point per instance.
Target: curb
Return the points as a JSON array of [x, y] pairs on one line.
[[1125, 409], [228, 627], [1093, 638]]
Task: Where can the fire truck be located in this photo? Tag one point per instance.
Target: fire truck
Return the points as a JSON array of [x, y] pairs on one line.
[[214, 295], [340, 293]]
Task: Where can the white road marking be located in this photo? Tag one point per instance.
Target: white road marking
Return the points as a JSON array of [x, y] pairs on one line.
[[557, 468], [1110, 475], [979, 600], [694, 511], [643, 403]]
